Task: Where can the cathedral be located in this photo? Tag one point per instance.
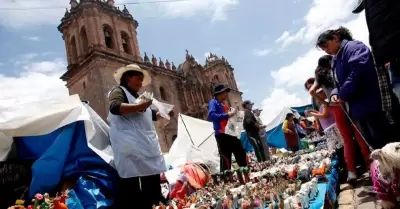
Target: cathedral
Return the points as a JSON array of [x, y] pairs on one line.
[[100, 38]]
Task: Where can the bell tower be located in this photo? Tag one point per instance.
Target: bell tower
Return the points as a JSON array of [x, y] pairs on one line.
[[99, 38], [219, 71]]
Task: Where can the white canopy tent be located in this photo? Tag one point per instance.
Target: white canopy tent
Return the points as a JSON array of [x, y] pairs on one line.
[[44, 117], [195, 142], [281, 117]]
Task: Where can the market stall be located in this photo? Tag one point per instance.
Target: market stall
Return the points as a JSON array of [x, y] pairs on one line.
[[52, 146], [306, 179]]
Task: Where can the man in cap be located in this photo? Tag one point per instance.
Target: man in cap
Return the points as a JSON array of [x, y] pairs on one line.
[[262, 133], [227, 144], [252, 128], [383, 20]]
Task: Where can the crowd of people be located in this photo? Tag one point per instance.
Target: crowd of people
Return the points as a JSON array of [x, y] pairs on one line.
[[356, 103], [356, 95]]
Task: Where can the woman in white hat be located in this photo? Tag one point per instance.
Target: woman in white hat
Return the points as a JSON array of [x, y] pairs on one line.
[[137, 154]]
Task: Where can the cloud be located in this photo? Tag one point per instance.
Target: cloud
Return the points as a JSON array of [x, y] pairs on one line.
[[36, 81], [322, 15], [303, 66], [216, 9], [21, 17], [289, 79], [261, 52], [32, 38], [298, 71], [281, 38], [30, 56], [277, 100], [51, 11]]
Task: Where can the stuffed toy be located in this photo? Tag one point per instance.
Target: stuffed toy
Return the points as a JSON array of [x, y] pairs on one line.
[[320, 171], [385, 174]]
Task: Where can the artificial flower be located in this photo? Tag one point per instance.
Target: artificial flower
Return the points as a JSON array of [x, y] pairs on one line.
[[39, 196]]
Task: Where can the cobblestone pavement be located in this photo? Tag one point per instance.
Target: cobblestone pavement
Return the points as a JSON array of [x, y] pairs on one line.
[[355, 198]]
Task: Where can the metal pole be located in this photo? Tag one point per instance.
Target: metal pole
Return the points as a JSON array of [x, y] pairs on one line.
[[190, 137]]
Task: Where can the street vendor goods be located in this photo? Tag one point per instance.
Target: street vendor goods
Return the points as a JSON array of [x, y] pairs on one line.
[[44, 202], [281, 183]]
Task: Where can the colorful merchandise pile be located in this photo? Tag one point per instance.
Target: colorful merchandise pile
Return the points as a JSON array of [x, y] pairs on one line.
[[43, 202], [284, 182]]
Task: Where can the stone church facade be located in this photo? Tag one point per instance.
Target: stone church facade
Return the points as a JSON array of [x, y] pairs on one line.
[[99, 38]]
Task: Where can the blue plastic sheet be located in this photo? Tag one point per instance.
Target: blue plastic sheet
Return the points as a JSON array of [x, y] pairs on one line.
[[65, 154], [328, 189], [302, 109], [246, 143], [274, 139], [88, 189], [73, 201]]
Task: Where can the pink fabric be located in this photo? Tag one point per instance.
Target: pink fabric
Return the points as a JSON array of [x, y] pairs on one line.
[[387, 189]]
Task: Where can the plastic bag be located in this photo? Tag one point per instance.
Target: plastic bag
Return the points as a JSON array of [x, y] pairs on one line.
[[145, 97], [163, 108], [197, 155], [234, 127]]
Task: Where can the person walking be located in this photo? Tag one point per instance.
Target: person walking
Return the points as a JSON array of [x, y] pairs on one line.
[[227, 144], [252, 128], [137, 154]]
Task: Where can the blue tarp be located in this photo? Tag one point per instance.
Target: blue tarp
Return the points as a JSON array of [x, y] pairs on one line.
[[246, 143], [302, 109], [64, 154], [275, 137]]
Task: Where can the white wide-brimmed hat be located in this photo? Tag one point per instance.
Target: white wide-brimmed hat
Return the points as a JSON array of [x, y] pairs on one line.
[[132, 67]]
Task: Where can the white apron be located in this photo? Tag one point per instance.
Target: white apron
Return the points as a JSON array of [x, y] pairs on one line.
[[135, 144]]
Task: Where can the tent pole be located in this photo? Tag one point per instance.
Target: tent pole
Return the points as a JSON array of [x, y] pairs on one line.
[[206, 139], [190, 137]]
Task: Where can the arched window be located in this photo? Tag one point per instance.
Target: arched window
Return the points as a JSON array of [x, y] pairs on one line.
[[173, 138], [84, 85], [216, 78], [126, 43], [84, 40], [73, 52], [108, 37], [163, 94]]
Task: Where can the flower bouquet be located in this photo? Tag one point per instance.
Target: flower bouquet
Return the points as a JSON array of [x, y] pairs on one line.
[[43, 202]]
